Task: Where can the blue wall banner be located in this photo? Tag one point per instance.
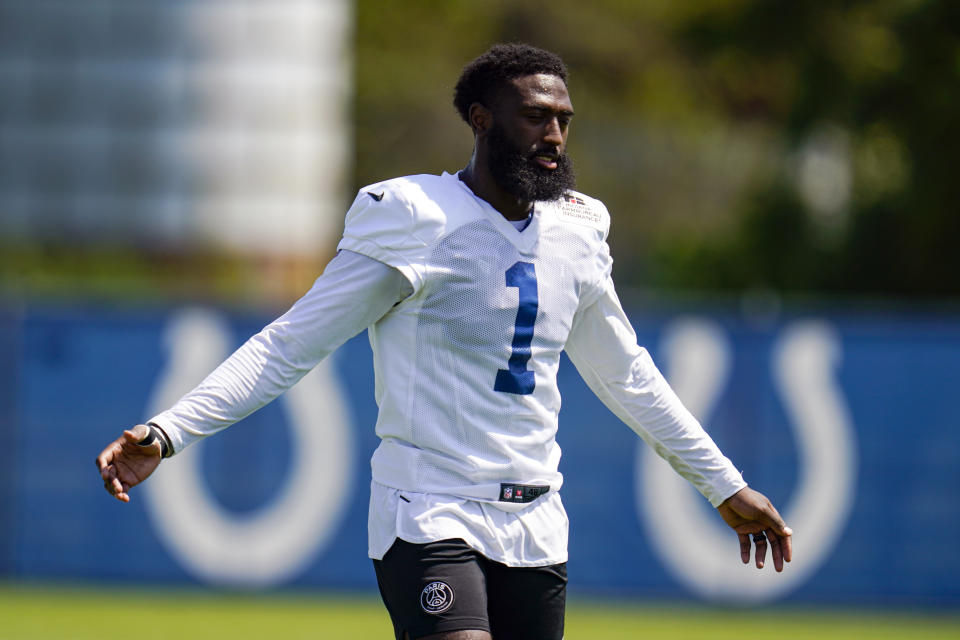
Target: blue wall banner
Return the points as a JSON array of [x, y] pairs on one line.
[[9, 477], [847, 422]]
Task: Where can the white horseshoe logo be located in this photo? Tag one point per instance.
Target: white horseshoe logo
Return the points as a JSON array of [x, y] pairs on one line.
[[280, 539], [694, 544]]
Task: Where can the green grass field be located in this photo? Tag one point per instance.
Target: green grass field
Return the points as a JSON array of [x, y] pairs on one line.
[[60, 613]]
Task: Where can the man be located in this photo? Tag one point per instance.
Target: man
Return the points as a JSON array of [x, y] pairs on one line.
[[471, 285]]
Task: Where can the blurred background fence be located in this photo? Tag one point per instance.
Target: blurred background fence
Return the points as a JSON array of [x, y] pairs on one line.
[[845, 421], [784, 222]]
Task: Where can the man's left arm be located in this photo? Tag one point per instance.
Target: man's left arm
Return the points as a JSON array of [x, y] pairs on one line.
[[603, 346]]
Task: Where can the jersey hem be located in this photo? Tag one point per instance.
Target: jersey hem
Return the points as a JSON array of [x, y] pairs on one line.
[[412, 539]]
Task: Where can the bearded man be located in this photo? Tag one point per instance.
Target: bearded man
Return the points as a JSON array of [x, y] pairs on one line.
[[471, 285]]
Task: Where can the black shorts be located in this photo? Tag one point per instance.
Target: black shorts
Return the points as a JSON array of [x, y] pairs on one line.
[[446, 586]]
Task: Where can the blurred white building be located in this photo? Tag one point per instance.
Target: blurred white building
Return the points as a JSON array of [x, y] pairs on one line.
[[182, 125]]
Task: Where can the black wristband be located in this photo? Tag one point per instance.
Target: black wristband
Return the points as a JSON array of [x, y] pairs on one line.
[[166, 448]]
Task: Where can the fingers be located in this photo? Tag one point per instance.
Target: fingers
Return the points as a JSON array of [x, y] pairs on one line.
[[744, 547], [781, 549], [108, 471], [776, 551], [781, 539], [106, 457], [115, 488], [760, 540], [786, 545]]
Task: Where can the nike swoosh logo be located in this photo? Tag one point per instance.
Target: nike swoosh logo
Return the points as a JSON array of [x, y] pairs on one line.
[[376, 196]]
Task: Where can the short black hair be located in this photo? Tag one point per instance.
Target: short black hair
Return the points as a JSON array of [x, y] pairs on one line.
[[482, 77]]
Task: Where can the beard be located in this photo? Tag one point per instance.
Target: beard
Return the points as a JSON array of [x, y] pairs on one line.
[[517, 173]]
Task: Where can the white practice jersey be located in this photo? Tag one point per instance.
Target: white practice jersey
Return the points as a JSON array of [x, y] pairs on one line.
[[466, 366], [467, 316]]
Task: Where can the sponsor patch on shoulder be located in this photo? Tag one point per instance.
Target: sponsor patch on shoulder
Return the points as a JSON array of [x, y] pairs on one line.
[[574, 209]]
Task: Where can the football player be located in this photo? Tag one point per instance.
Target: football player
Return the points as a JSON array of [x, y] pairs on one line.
[[471, 284]]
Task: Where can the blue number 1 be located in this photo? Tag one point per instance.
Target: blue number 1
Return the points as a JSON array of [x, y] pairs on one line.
[[517, 378]]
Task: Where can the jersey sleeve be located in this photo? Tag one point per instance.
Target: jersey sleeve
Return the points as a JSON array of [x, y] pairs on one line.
[[353, 292], [603, 346], [382, 224]]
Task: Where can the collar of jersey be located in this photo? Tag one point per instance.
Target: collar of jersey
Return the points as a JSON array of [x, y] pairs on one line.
[[522, 240]]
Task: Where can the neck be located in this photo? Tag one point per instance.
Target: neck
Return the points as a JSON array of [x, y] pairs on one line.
[[475, 176]]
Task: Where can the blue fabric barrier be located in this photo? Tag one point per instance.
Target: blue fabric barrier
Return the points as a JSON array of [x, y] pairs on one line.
[[846, 422]]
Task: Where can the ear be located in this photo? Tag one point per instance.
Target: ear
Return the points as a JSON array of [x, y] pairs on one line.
[[480, 118]]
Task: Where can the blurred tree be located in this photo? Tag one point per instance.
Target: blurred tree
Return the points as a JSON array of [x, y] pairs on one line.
[[881, 79], [737, 143]]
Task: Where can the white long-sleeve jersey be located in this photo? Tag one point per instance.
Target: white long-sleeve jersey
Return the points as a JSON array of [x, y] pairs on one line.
[[467, 318]]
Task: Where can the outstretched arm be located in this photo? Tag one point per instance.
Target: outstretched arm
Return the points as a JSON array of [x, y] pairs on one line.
[[354, 292], [603, 346], [749, 512]]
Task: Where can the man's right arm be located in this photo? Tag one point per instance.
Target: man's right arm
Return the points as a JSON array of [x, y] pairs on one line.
[[353, 292]]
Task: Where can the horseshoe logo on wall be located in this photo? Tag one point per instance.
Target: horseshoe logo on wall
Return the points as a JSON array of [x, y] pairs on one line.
[[694, 544], [274, 543]]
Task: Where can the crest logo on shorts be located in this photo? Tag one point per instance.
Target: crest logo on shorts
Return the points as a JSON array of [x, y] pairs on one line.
[[436, 597]]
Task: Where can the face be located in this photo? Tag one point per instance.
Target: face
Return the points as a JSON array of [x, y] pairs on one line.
[[527, 141]]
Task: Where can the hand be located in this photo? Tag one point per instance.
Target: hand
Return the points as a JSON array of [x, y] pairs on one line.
[[124, 464], [749, 512]]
